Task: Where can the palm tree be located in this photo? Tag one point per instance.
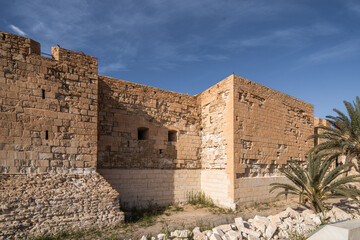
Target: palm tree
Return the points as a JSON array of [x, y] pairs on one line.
[[318, 182], [343, 137]]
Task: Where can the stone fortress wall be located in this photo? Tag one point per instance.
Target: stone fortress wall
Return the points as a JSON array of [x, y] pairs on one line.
[[270, 129], [64, 127], [48, 142]]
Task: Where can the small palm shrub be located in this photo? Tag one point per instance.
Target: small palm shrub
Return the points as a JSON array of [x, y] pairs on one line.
[[317, 182]]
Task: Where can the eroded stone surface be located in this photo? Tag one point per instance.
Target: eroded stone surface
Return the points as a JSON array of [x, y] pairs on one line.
[[64, 202], [58, 116]]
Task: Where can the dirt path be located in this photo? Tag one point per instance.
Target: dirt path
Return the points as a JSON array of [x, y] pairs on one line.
[[190, 216]]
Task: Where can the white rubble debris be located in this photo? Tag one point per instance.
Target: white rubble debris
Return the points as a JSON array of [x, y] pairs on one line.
[[279, 226]]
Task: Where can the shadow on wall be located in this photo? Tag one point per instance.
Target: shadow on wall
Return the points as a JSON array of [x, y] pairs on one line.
[[128, 136], [137, 153]]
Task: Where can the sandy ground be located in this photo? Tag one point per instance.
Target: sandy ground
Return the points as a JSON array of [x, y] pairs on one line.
[[188, 217]]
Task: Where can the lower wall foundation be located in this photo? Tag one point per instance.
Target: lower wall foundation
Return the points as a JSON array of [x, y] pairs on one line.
[[256, 189], [143, 187], [48, 204], [216, 184]]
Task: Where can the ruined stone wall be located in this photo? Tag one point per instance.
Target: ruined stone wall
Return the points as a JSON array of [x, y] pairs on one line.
[[217, 148], [48, 108], [216, 125], [270, 129], [126, 108], [57, 115], [44, 204], [317, 123], [48, 142]]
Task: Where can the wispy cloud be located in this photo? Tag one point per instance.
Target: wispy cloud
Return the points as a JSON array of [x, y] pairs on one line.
[[338, 52], [113, 67], [161, 34], [353, 6], [287, 37], [17, 30]]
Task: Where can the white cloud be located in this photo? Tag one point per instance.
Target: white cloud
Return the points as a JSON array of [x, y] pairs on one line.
[[353, 6], [288, 37], [113, 67], [337, 52], [17, 30]]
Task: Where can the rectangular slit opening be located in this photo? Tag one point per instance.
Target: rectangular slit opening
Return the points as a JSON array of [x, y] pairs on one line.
[[43, 93], [46, 135], [172, 136], [143, 133]]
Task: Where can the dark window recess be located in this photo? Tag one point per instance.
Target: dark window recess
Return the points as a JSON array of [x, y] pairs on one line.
[[68, 54], [128, 143], [160, 151], [4, 37], [126, 85], [46, 135], [43, 93], [172, 136], [143, 133]]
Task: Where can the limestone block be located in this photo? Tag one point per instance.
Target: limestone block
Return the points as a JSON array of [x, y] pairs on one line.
[[233, 235], [340, 231], [218, 231], [215, 236], [249, 232], [274, 219], [239, 222], [338, 214], [270, 230]]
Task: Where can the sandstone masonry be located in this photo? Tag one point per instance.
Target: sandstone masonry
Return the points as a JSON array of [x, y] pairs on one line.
[[48, 143], [61, 124]]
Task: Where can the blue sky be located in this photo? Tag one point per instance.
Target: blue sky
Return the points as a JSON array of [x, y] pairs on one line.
[[307, 49]]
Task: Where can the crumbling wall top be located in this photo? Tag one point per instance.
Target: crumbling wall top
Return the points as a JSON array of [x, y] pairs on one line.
[[75, 58], [18, 44]]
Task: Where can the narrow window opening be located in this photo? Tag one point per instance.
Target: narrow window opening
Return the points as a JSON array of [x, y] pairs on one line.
[[68, 54], [143, 133], [126, 85], [160, 151], [154, 92], [46, 135], [172, 136], [4, 37], [128, 143], [43, 93]]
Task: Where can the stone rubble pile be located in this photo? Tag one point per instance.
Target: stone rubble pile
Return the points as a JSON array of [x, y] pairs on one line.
[[279, 226]]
